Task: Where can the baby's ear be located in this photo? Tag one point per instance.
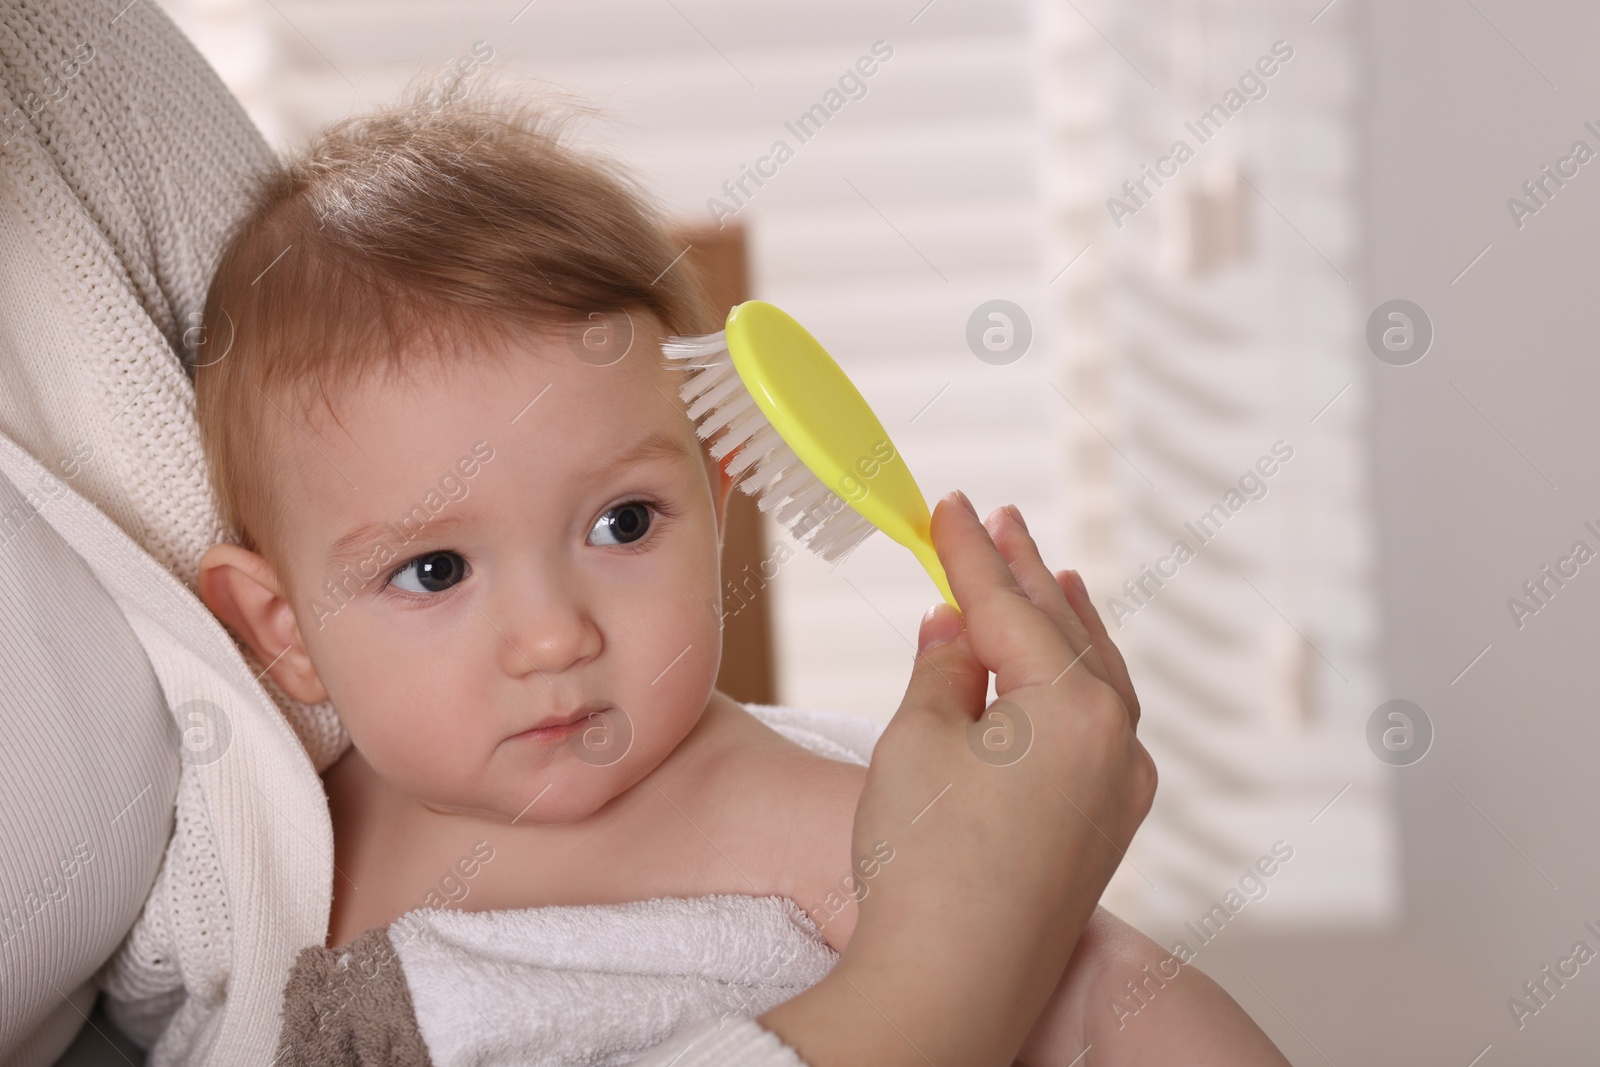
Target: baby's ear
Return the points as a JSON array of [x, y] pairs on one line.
[[243, 591]]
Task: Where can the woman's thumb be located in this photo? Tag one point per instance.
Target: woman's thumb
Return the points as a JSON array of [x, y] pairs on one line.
[[947, 678], [941, 623]]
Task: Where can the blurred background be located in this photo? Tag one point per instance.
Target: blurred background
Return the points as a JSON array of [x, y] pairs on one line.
[[1274, 320]]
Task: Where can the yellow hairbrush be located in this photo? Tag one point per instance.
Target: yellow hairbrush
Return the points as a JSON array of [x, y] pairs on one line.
[[804, 442]]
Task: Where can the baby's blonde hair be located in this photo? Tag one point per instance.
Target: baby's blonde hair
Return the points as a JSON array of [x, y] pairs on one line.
[[401, 235]]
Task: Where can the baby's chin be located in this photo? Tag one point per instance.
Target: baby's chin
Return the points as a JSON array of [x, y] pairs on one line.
[[553, 808], [567, 792]]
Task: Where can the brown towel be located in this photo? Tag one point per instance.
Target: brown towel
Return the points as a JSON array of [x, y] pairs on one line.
[[350, 1007]]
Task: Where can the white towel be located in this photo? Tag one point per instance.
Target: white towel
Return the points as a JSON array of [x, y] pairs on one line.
[[598, 985]]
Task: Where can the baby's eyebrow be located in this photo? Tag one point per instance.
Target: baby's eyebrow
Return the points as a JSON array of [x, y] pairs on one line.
[[354, 546], [658, 445]]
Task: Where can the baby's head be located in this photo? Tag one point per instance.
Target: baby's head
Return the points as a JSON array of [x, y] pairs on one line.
[[466, 499]]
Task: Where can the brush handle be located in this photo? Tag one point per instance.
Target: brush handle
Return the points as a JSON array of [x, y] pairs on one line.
[[923, 549]]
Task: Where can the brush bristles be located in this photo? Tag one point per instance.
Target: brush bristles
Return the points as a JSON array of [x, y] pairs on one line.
[[763, 466]]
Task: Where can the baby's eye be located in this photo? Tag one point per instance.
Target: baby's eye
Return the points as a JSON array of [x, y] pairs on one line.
[[622, 524], [432, 573]]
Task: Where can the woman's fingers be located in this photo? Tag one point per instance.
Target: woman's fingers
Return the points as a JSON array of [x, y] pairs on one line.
[[1028, 625], [1063, 597], [1116, 668], [1021, 554], [1009, 635]]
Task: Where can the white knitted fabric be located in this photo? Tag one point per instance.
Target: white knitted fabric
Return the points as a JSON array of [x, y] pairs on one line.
[[247, 876], [118, 175], [123, 159]]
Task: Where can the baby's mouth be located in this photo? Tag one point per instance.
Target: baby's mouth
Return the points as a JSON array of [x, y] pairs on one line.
[[561, 725]]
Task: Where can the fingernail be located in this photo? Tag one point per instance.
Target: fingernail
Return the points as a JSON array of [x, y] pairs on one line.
[[1011, 509], [938, 626], [1077, 580], [962, 498]]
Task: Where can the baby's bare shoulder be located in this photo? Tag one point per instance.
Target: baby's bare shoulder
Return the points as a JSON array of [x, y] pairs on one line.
[[795, 812]]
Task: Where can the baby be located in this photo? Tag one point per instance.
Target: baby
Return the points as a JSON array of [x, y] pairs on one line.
[[471, 513]]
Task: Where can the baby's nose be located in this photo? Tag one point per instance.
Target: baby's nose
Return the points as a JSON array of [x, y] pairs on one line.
[[547, 632]]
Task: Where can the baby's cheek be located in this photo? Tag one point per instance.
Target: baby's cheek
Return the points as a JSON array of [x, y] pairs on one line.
[[402, 721], [670, 632], [678, 697], [661, 667], [404, 747], [424, 747]]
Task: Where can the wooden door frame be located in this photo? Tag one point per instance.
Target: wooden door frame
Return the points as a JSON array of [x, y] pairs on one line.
[[748, 674]]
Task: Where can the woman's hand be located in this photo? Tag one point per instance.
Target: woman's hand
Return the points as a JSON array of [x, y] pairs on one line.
[[998, 860]]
